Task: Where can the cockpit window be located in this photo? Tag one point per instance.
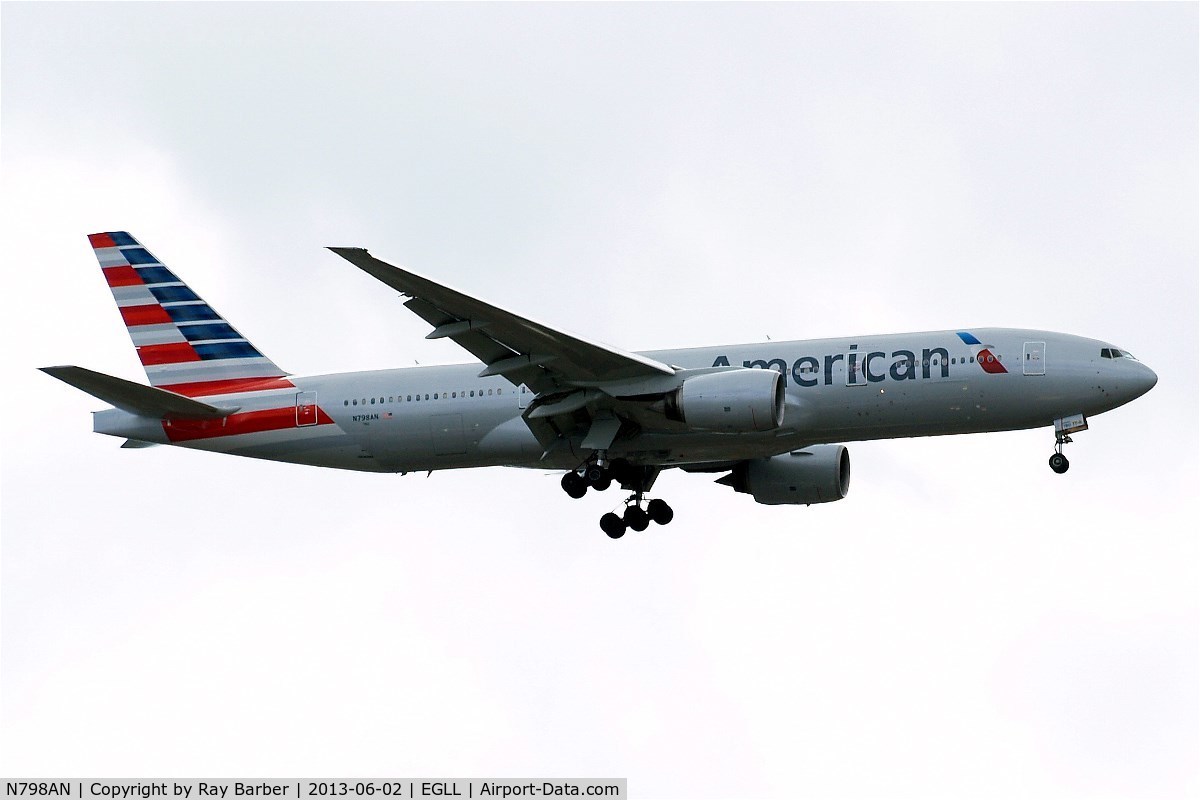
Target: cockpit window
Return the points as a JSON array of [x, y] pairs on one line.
[[1113, 352]]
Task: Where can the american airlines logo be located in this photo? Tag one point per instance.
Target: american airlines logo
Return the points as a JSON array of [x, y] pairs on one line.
[[983, 354]]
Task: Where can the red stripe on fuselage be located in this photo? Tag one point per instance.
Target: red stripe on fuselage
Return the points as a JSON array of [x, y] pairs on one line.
[[272, 419], [122, 276], [145, 315], [99, 240], [173, 353], [228, 386]]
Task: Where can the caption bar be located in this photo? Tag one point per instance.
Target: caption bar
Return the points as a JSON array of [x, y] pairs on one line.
[[304, 789]]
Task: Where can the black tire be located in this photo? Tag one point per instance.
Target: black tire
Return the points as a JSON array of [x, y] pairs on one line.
[[612, 525], [594, 474], [637, 519], [659, 511], [602, 484], [574, 485], [1059, 463]]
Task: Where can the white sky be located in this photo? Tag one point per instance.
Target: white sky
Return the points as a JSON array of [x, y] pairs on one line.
[[965, 623]]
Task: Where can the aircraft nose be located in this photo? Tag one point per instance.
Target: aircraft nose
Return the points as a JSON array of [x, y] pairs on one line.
[[1149, 379], [1145, 380]]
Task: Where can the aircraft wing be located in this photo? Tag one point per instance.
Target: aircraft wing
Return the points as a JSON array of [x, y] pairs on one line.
[[523, 351]]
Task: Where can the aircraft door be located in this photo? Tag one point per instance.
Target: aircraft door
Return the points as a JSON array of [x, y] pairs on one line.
[[522, 396], [1033, 360], [306, 409]]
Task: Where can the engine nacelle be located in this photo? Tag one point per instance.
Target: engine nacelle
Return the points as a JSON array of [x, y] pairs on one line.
[[732, 401], [819, 474]]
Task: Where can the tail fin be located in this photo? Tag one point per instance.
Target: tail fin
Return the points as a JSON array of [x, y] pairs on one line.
[[185, 346]]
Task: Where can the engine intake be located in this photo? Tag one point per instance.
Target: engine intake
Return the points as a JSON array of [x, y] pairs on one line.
[[819, 474], [733, 401]]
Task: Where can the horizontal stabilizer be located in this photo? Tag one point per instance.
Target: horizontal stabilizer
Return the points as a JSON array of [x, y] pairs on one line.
[[137, 444], [136, 398]]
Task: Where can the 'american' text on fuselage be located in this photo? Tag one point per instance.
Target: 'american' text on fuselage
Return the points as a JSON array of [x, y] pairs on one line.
[[808, 370]]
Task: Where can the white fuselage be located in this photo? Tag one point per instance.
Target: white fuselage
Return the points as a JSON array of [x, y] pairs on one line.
[[837, 390]]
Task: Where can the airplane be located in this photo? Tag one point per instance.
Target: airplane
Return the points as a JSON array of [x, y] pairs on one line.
[[772, 418]]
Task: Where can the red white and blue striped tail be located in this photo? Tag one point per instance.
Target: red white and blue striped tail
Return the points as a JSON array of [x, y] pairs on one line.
[[185, 346]]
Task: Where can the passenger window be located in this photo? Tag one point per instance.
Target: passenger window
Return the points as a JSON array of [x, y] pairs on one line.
[[345, 402], [355, 402], [434, 397]]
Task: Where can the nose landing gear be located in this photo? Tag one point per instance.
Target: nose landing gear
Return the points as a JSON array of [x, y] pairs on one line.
[[1063, 428], [1059, 462]]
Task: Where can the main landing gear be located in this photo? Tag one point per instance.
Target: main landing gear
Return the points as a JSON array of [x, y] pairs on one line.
[[636, 517], [593, 476], [639, 512]]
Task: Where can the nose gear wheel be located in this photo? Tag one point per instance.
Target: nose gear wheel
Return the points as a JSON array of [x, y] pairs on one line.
[[1059, 462]]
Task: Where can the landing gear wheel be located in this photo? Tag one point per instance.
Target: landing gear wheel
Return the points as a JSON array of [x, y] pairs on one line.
[[1059, 463], [636, 518], [599, 478], [612, 525], [574, 485], [659, 511]]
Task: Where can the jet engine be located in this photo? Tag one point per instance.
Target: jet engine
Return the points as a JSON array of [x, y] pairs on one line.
[[819, 474], [732, 401]]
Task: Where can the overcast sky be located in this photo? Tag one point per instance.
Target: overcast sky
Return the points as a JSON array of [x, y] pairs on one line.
[[965, 623]]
